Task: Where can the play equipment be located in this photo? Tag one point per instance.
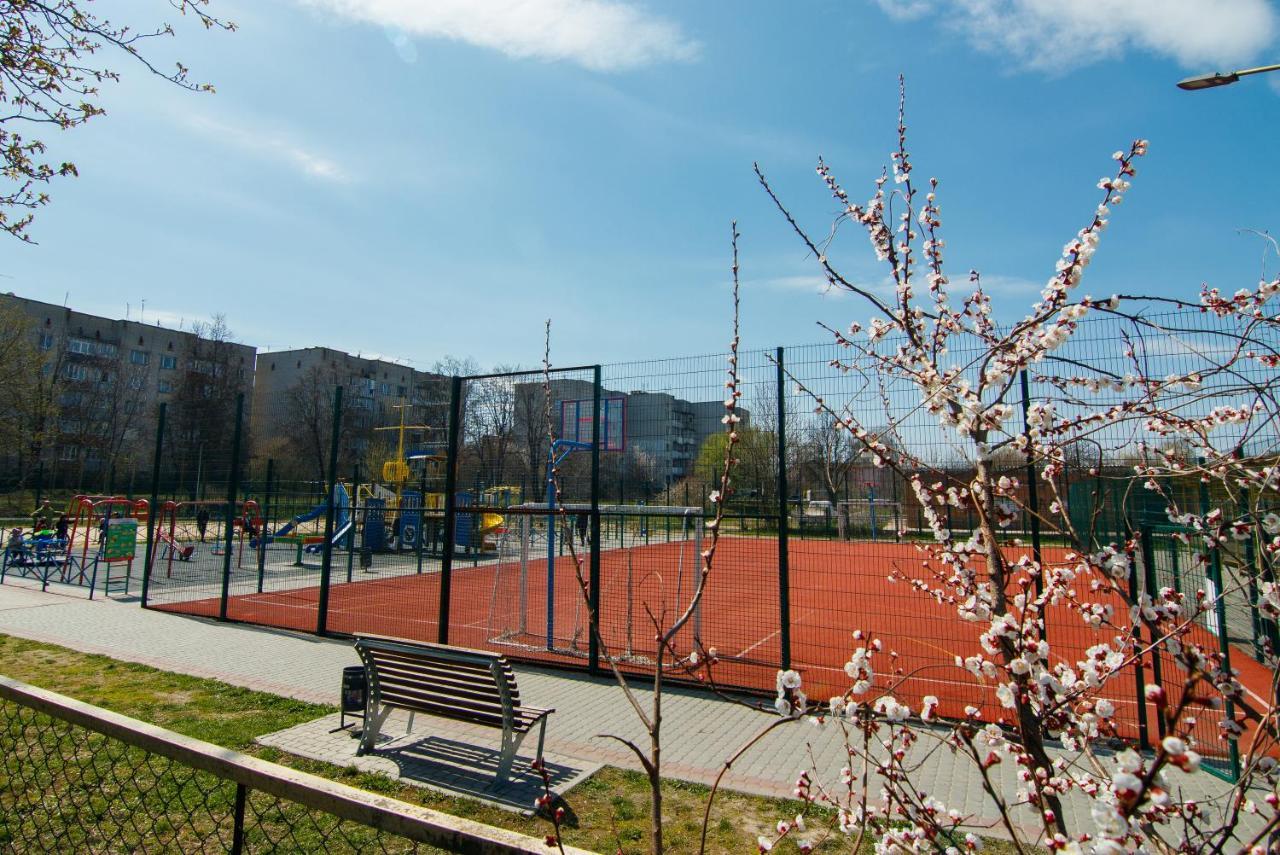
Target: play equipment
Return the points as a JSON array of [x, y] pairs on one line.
[[114, 520], [178, 529], [341, 527], [41, 556], [290, 532]]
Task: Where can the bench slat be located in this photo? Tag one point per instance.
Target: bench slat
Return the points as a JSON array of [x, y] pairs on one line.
[[397, 674], [460, 665], [444, 708], [431, 674], [435, 690], [404, 669], [476, 667]]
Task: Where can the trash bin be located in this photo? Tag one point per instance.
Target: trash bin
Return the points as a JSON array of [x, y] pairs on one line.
[[355, 685]]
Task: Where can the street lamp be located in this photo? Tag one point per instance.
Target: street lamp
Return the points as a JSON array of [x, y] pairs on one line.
[[1219, 78]]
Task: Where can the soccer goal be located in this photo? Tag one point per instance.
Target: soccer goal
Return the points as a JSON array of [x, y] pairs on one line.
[[649, 555], [873, 518]]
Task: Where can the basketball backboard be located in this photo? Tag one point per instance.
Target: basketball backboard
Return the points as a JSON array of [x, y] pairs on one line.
[[575, 421]]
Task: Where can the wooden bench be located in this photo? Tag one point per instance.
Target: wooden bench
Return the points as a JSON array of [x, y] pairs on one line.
[[451, 682]]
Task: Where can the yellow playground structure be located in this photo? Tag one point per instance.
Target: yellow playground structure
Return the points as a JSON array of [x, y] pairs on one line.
[[408, 511]]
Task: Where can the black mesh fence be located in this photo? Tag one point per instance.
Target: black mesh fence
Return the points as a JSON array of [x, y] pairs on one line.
[[345, 500]]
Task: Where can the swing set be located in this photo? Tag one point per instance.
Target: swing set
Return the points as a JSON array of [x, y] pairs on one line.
[[115, 521], [181, 527]]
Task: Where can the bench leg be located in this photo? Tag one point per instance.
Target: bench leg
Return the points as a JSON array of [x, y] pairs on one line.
[[542, 735], [510, 745], [409, 729], [372, 727]]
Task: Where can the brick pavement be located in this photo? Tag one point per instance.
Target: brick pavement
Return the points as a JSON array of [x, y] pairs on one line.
[[699, 731]]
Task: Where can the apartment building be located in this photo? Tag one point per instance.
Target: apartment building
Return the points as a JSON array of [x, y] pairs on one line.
[[373, 389], [666, 429], [101, 381]]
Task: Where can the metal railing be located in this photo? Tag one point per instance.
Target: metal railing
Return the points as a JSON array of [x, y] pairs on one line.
[[78, 778]]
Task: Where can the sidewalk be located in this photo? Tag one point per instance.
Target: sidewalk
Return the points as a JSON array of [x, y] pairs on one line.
[[699, 731]]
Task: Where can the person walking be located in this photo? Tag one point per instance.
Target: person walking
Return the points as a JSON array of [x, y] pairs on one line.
[[202, 521], [584, 522]]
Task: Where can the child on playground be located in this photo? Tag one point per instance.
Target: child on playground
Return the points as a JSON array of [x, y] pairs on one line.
[[60, 527], [16, 541]]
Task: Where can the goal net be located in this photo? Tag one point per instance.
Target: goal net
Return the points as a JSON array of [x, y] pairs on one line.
[[649, 559], [877, 520]]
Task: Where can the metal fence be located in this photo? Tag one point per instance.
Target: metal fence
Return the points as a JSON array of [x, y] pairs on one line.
[[327, 507], [78, 778]]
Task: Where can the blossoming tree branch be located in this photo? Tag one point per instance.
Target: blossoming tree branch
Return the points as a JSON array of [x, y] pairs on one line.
[[1055, 722]]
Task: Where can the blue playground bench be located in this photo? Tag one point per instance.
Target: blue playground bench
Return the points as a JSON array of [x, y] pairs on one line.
[[42, 559]]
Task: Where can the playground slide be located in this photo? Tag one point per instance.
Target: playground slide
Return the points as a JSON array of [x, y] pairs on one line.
[[343, 521], [293, 523], [342, 524]]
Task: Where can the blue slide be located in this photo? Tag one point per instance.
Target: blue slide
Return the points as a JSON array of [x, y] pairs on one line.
[[343, 522]]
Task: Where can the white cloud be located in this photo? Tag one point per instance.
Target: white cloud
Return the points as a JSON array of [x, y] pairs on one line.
[[997, 285], [803, 284], [1053, 35], [271, 146], [602, 35]]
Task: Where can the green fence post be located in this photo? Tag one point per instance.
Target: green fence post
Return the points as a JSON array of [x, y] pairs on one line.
[[1220, 615], [1149, 583], [422, 516], [40, 478], [326, 548], [1140, 680], [151, 509], [233, 490], [450, 506], [593, 605], [784, 567], [351, 535], [1033, 492], [266, 524]]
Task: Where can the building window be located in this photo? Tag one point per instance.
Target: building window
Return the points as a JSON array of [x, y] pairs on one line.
[[137, 382], [139, 357], [168, 363], [69, 452], [46, 341], [164, 387], [107, 350], [79, 345], [75, 372]]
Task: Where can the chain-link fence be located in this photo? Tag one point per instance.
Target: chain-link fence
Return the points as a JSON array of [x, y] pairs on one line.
[[77, 778]]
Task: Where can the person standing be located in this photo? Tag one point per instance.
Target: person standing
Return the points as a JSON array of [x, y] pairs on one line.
[[202, 521]]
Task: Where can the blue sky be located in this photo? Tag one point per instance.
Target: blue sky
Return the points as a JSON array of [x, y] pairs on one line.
[[418, 178]]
